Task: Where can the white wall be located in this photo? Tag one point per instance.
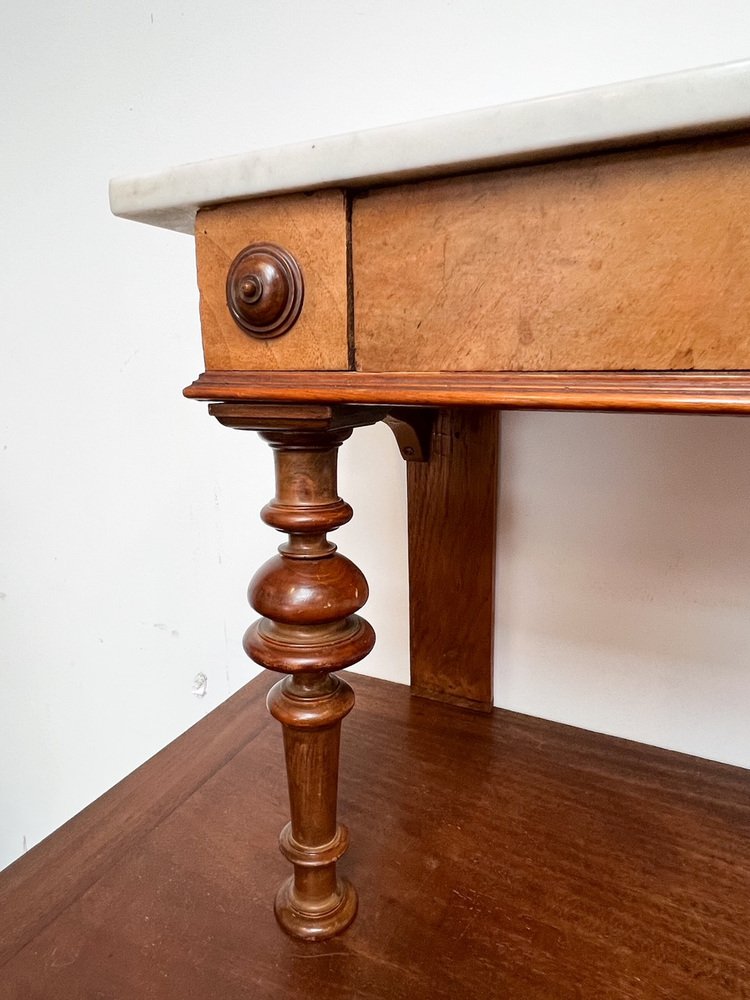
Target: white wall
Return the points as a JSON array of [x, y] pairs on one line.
[[129, 519]]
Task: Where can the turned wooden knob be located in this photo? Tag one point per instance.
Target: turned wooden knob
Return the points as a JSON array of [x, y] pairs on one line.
[[265, 290]]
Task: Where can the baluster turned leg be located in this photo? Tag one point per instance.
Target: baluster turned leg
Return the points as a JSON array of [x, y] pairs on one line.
[[308, 596]]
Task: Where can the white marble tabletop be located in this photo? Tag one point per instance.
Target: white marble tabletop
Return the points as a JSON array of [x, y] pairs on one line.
[[696, 101]]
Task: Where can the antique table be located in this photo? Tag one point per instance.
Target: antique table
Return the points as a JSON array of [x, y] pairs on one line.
[[583, 251]]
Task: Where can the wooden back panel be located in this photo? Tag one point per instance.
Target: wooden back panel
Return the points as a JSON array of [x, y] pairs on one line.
[[637, 260]]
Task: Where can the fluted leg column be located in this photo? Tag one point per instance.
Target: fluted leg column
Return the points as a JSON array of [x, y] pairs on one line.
[[308, 596]]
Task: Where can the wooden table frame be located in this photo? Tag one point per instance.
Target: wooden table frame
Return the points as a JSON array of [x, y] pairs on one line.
[[607, 281]]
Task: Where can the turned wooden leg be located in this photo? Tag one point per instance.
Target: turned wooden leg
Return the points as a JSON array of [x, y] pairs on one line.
[[308, 596], [314, 902]]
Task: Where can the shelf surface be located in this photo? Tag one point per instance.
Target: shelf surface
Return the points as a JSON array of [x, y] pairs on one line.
[[691, 102], [497, 856]]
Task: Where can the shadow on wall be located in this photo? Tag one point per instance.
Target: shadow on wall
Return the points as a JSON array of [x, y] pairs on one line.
[[624, 576]]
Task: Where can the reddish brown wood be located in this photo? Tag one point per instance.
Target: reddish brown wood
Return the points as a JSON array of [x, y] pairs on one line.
[[265, 290], [412, 427], [657, 392], [308, 596], [504, 856], [41, 884], [288, 416], [452, 516]]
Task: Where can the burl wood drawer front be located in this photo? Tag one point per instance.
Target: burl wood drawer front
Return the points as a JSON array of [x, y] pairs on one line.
[[313, 229], [638, 260]]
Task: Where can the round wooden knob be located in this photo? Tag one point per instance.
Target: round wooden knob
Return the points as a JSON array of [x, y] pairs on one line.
[[265, 290]]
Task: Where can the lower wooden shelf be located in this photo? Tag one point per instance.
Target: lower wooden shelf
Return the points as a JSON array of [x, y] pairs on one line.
[[497, 856]]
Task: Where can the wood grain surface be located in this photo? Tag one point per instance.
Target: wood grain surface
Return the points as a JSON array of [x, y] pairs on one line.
[[656, 392], [41, 884], [497, 856], [637, 260], [452, 502], [313, 228], [308, 595]]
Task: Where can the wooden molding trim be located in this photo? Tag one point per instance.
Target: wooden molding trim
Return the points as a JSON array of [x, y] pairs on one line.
[[662, 392]]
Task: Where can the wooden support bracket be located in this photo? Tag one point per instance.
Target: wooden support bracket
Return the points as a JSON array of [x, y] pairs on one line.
[[452, 498], [412, 427]]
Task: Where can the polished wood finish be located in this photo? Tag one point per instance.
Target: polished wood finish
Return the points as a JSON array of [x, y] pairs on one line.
[[504, 856], [265, 290], [41, 885], [652, 392], [313, 229], [412, 428], [288, 416], [308, 596], [632, 260], [452, 516]]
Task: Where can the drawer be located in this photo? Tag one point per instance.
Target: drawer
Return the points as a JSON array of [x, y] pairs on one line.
[[637, 260], [312, 228]]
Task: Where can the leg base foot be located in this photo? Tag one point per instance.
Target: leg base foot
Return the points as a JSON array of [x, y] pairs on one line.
[[316, 926]]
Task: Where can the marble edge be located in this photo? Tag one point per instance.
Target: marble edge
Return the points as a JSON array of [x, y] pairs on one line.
[[708, 99]]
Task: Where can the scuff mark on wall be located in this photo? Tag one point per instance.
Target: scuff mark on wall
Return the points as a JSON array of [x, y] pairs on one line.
[[165, 628]]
